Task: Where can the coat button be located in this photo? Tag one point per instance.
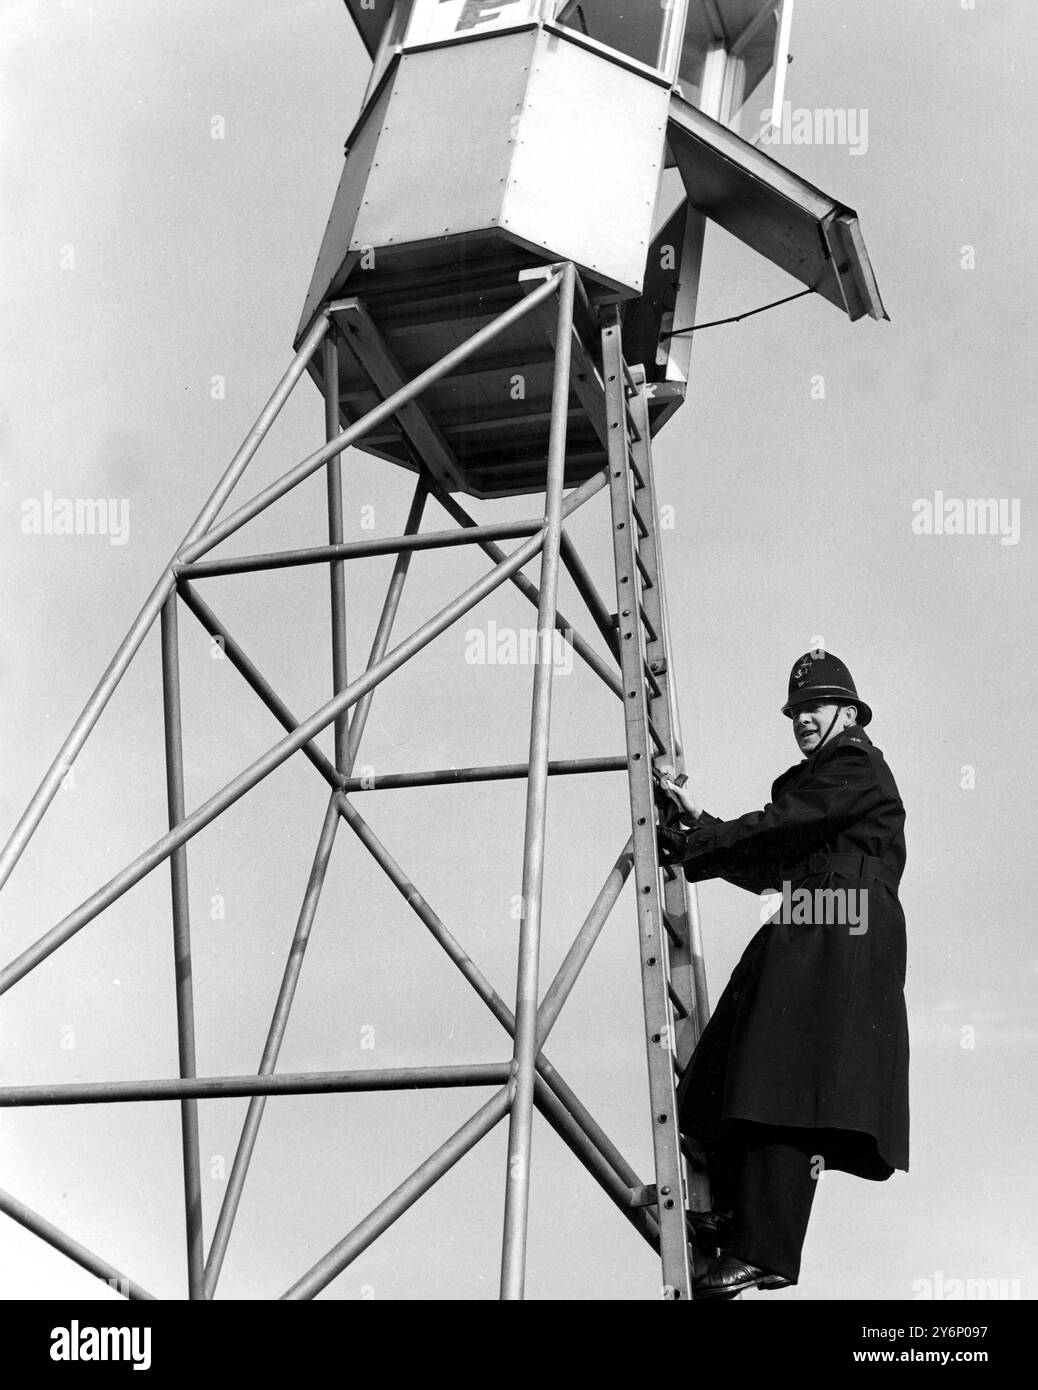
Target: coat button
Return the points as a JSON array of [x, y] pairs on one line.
[[735, 994]]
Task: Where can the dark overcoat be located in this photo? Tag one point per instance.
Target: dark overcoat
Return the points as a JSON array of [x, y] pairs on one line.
[[812, 1029]]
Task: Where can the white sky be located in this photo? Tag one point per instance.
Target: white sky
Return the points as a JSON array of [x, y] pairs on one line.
[[792, 520]]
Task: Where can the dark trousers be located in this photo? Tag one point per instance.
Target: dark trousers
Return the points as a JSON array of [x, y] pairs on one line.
[[761, 1176]]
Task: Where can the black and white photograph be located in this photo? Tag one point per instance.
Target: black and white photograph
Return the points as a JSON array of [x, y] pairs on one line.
[[517, 667]]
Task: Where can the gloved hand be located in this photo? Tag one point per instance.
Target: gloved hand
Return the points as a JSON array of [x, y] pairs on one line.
[[677, 790], [668, 809], [672, 844]]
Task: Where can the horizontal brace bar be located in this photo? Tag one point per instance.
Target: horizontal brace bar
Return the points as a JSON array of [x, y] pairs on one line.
[[495, 773], [354, 550], [287, 1083]]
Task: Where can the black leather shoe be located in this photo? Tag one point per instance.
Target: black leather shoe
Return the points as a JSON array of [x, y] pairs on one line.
[[712, 1229], [727, 1277]]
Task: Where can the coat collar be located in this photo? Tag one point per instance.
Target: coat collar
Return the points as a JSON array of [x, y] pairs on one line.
[[854, 733]]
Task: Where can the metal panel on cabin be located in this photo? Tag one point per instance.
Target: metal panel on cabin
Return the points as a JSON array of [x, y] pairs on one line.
[[445, 149], [784, 218], [643, 317], [587, 162], [328, 272]]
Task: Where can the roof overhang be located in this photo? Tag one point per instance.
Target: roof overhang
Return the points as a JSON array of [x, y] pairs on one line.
[[813, 237]]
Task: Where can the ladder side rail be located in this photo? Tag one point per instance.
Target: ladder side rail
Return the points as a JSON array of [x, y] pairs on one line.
[[674, 1246], [684, 941], [687, 1027]]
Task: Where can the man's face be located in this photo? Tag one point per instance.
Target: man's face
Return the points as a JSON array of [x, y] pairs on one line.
[[810, 723]]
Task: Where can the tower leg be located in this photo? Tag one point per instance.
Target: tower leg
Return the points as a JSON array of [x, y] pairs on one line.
[[182, 944], [517, 1191], [337, 568]]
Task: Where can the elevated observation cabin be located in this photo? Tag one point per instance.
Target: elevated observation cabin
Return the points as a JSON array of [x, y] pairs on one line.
[[498, 137]]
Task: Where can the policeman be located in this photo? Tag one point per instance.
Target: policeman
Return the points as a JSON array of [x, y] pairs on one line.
[[804, 1063]]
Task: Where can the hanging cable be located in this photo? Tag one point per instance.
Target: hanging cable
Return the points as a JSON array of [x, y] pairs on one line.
[[736, 318]]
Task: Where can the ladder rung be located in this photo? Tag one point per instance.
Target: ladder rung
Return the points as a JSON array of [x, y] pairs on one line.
[[639, 520], [671, 929], [657, 738], [653, 634], [680, 1007], [635, 428], [643, 569], [653, 683]]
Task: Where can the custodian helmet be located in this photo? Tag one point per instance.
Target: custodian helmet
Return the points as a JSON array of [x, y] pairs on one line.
[[822, 677]]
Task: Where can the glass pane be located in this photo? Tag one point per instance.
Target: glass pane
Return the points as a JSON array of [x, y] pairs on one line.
[[759, 55], [633, 27], [433, 20], [749, 68], [690, 67]]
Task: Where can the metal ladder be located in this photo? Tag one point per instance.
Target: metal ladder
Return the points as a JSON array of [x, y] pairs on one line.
[[672, 1016]]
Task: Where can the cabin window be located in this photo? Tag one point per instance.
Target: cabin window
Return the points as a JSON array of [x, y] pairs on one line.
[[728, 48], [634, 27]]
